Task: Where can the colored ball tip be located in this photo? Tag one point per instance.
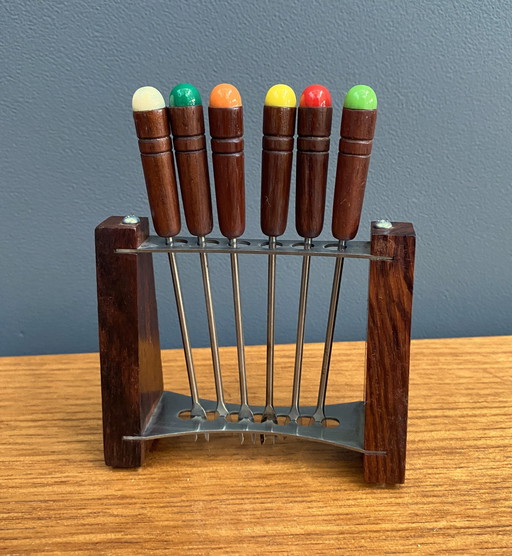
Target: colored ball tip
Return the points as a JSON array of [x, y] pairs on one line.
[[185, 94], [225, 96], [315, 96], [282, 96], [147, 98], [361, 97]]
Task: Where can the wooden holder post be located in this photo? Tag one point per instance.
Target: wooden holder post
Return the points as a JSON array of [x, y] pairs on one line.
[[131, 368], [388, 351]]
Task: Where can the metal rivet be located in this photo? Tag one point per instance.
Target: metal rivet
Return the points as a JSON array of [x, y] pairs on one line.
[[131, 219], [383, 224]]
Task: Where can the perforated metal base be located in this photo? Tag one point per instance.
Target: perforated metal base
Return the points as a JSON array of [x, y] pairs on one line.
[[166, 422]]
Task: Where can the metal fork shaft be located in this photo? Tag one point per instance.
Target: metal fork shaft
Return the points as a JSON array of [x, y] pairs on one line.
[[294, 412], [221, 406], [197, 410], [269, 413], [319, 414], [244, 411]]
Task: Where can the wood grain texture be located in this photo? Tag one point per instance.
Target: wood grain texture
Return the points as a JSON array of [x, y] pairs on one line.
[[131, 369], [58, 497], [355, 147], [276, 168], [227, 130], [187, 125], [390, 292], [314, 129], [155, 147]]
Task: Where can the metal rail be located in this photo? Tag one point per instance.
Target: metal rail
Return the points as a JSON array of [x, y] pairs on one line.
[[354, 249]]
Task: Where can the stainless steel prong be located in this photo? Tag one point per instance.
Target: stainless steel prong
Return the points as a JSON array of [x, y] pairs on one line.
[[196, 410], [245, 411], [221, 406], [268, 413], [319, 414], [207, 436], [294, 412]]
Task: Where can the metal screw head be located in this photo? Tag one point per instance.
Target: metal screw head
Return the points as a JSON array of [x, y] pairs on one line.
[[383, 224], [131, 219]]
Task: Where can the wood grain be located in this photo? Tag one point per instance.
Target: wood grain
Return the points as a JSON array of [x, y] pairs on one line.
[[227, 131], [276, 167], [131, 369], [291, 498], [187, 125], [155, 148], [355, 147], [314, 130], [390, 292]]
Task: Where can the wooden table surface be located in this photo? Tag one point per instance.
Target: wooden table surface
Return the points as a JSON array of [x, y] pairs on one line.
[[293, 497]]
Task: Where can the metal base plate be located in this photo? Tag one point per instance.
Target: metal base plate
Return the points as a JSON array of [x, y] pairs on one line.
[[166, 422]]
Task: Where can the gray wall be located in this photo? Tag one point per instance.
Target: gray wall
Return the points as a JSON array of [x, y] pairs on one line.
[[442, 72]]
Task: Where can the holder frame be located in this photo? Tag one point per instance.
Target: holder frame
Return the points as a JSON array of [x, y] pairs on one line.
[[133, 397]]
